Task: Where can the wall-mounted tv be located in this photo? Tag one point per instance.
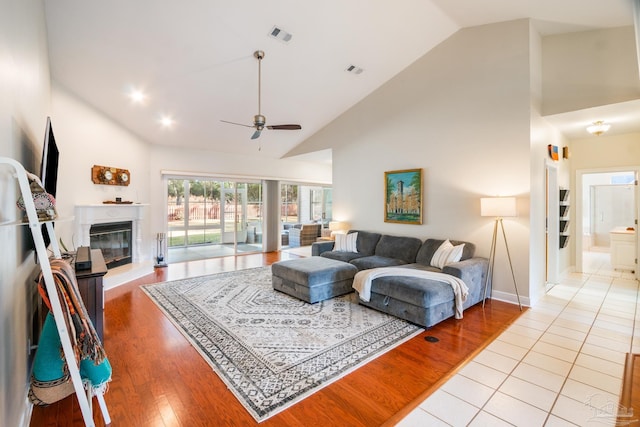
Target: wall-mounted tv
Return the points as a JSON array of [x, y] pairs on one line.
[[49, 168]]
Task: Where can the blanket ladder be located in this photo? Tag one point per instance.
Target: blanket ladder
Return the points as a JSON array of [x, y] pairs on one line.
[[84, 399]]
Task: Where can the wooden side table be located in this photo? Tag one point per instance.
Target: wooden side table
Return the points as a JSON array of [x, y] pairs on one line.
[[92, 292]]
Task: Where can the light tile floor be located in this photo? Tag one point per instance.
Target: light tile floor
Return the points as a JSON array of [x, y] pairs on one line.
[[560, 364]]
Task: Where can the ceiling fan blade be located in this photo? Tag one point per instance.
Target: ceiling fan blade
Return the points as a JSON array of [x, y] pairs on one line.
[[238, 124], [285, 127], [256, 134]]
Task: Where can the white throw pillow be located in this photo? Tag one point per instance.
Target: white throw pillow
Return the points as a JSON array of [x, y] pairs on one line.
[[346, 242], [446, 254]]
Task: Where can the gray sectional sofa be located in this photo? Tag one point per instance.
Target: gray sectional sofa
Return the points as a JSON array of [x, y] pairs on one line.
[[417, 299]]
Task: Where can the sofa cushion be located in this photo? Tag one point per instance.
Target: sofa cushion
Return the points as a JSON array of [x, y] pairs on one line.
[[342, 256], [376, 261], [430, 246], [366, 242], [346, 242], [447, 254], [402, 248]]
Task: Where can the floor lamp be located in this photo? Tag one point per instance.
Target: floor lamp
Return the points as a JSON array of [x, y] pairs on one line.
[[498, 207]]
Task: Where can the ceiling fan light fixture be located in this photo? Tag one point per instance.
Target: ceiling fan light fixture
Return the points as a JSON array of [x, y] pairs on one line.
[[598, 128], [259, 121]]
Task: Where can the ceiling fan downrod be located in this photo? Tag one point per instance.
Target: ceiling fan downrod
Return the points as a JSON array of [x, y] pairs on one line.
[[259, 54]]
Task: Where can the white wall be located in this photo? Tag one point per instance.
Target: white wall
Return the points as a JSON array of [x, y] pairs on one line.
[[605, 151], [589, 68], [24, 106], [462, 114], [85, 137]]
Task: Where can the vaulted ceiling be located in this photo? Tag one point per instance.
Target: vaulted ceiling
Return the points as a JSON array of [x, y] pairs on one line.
[[194, 60]]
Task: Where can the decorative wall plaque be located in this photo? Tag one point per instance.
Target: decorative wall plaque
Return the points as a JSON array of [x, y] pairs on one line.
[[109, 175]]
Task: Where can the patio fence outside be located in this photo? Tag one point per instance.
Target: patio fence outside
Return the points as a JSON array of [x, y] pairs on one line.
[[205, 220]]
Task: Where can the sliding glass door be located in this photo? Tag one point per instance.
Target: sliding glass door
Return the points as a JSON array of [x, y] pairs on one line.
[[304, 204], [208, 218], [233, 223]]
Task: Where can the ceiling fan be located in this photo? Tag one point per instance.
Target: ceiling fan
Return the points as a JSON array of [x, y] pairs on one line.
[[260, 121]]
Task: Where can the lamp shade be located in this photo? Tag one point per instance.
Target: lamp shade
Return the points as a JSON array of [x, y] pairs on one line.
[[498, 206], [338, 226]]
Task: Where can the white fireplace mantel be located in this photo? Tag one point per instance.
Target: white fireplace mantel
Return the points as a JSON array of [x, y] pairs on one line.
[[87, 215]]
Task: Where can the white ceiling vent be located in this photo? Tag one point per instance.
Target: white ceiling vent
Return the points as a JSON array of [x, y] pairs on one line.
[[280, 34], [354, 70]]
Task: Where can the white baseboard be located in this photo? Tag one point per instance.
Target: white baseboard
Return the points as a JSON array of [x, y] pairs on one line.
[[510, 298]]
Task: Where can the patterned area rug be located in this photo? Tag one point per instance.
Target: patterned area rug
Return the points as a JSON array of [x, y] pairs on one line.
[[270, 349]]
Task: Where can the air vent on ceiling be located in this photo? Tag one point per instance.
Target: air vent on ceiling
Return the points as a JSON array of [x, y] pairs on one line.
[[280, 34], [354, 70]]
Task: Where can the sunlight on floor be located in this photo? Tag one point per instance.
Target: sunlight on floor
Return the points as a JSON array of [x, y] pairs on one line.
[[194, 253]]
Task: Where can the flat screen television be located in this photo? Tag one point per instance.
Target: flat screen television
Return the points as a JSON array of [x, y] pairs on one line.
[[49, 168]]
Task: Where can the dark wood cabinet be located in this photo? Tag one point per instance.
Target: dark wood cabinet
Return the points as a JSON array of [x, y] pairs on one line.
[[92, 292]]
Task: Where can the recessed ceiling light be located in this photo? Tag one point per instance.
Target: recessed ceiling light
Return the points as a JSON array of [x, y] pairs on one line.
[[279, 34], [167, 121], [137, 96]]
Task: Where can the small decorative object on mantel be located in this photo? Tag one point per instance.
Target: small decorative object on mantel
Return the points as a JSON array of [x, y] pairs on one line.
[[109, 175], [117, 202]]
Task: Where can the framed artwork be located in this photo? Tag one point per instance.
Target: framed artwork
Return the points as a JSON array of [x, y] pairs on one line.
[[403, 196]]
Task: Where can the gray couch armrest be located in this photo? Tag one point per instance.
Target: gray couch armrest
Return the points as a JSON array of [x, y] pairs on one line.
[[319, 247], [472, 271]]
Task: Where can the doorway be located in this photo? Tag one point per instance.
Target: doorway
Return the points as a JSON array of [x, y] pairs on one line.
[[304, 204], [607, 206], [208, 217]]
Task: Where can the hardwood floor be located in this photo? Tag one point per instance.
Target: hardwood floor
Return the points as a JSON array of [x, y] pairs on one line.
[[159, 379]]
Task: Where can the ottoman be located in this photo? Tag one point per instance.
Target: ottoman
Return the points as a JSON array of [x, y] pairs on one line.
[[313, 279]]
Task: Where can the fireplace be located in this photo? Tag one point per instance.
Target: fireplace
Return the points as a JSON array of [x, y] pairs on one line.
[[114, 239], [88, 216]]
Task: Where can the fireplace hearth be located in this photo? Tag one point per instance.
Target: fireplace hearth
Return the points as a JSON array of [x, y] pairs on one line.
[[114, 240]]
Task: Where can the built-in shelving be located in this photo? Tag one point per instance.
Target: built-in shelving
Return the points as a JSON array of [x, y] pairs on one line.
[[564, 218]]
